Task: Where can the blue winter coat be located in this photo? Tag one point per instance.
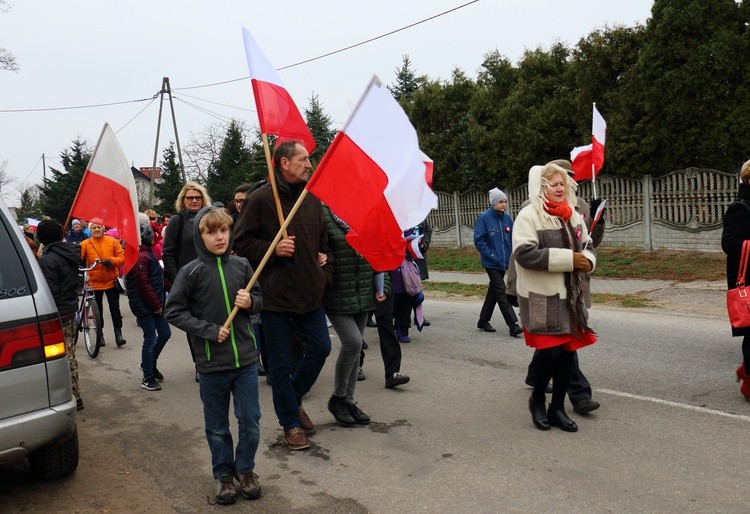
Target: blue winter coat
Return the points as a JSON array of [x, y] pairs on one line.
[[493, 237]]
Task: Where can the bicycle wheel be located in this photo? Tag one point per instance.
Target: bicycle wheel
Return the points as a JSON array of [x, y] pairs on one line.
[[91, 329]]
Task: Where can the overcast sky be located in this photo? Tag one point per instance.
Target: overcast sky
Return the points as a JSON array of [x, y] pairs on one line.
[[86, 52]]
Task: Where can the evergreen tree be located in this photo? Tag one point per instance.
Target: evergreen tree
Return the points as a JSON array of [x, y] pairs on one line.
[[688, 78], [29, 201], [232, 168], [407, 82], [59, 191], [171, 181], [319, 124]]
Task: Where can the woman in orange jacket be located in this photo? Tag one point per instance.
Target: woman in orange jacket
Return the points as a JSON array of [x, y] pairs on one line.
[[108, 250]]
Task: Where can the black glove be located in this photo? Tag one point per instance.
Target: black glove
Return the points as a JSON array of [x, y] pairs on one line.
[[594, 206], [107, 263], [512, 299]]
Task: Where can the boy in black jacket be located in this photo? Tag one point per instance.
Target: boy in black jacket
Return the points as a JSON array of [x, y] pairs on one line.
[[199, 303], [59, 263], [144, 284]]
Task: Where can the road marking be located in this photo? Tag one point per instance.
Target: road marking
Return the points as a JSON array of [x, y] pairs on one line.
[[675, 404]]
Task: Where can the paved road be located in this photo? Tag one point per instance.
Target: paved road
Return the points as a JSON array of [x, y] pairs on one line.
[[669, 437]]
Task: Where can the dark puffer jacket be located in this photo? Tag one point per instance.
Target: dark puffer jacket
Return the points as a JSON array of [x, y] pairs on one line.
[[736, 231], [59, 263], [145, 284], [352, 288]]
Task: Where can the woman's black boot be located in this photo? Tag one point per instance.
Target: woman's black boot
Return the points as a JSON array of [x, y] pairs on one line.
[[538, 414], [558, 418]]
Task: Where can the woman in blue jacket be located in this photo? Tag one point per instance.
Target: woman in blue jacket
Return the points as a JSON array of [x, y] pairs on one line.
[[493, 233]]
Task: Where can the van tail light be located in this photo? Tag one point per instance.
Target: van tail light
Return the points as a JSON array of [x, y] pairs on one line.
[[31, 343]]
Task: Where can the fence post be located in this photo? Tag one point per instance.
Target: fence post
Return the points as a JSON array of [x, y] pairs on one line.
[[458, 220], [648, 243]]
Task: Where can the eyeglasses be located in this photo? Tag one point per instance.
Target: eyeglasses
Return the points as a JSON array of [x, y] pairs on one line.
[[193, 198], [152, 219], [239, 202]]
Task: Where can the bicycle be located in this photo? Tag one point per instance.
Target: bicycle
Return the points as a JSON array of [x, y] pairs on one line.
[[88, 320]]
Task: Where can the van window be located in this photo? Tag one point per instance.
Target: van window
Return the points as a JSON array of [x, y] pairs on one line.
[[13, 281]]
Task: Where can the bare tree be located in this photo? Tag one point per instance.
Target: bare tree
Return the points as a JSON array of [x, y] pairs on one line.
[[7, 59], [6, 181], [202, 151]]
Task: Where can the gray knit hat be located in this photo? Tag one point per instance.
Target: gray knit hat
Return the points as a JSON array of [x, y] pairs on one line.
[[496, 196]]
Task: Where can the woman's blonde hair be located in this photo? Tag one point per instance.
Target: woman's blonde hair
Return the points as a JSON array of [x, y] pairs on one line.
[[150, 213], [179, 204], [745, 173]]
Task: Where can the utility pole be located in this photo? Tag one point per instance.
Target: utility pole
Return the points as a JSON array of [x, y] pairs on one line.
[[44, 168], [165, 88]]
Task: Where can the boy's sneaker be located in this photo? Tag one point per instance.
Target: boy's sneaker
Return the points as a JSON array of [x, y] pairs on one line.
[[150, 384], [226, 494], [249, 485], [157, 374]]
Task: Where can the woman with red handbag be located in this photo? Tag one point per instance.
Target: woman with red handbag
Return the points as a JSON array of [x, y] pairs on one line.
[[736, 232]]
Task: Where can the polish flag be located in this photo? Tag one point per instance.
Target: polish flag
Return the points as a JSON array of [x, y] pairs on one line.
[[277, 113], [588, 160], [375, 178], [107, 191]]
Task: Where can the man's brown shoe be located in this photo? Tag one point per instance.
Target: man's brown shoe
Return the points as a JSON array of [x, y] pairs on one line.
[[296, 439], [305, 423]]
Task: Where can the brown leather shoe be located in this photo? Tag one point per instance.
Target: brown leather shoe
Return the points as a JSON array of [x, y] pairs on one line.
[[305, 423], [296, 439]]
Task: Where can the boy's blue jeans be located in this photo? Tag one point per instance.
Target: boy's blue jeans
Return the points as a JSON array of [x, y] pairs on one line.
[[156, 333], [215, 388]]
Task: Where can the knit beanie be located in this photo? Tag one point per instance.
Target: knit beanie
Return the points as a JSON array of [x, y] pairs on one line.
[[496, 196], [49, 231], [147, 234], [75, 222]]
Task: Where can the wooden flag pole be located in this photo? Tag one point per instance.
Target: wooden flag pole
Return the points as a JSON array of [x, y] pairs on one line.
[[271, 249], [272, 178]]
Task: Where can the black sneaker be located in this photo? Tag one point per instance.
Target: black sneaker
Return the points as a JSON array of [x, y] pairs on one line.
[[157, 374], [396, 380], [360, 418], [79, 404], [340, 410], [485, 325], [150, 384], [360, 374]]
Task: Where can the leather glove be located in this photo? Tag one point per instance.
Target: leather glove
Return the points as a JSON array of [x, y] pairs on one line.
[[107, 263], [581, 263], [512, 299]]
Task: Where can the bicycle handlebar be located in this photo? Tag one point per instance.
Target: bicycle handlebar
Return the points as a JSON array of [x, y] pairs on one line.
[[96, 261]]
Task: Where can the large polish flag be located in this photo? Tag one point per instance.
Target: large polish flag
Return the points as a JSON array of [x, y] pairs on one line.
[[588, 160], [277, 113], [107, 191], [375, 178]]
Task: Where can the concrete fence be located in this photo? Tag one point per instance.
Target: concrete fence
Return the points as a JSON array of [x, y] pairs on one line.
[[679, 211]]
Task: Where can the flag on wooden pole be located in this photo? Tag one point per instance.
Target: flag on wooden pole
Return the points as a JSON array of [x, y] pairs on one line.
[[376, 179], [107, 191]]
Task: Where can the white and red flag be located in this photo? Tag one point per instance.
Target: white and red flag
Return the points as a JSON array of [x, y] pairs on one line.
[[277, 113], [588, 160], [107, 191], [375, 178]]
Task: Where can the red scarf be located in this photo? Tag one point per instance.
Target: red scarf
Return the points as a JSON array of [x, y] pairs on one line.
[[562, 210]]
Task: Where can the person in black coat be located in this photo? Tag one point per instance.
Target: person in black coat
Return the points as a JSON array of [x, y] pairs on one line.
[[59, 263], [736, 231]]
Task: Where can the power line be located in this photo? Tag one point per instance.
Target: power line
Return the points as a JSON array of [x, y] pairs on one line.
[[139, 113], [46, 109], [219, 103], [322, 56]]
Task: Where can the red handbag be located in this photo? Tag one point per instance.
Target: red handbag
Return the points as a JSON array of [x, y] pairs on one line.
[[738, 300]]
